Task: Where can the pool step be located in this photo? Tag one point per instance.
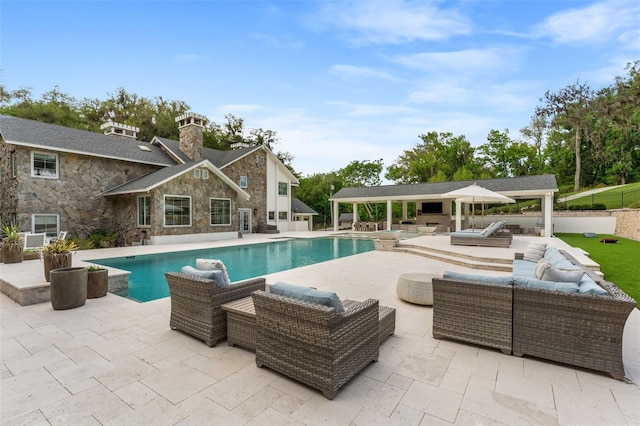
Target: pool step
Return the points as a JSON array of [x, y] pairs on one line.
[[460, 259]]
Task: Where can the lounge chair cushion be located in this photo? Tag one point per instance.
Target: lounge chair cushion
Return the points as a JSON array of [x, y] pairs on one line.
[[534, 252], [215, 275], [213, 265], [485, 279], [307, 294], [589, 286], [523, 268], [563, 287]]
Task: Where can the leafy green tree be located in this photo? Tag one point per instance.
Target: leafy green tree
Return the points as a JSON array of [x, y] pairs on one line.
[[506, 157], [315, 191], [569, 112], [435, 158], [362, 173], [55, 107]]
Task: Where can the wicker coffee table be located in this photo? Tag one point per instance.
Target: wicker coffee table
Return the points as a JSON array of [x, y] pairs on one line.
[[241, 323]]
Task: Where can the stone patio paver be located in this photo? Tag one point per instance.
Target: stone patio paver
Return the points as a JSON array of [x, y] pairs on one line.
[[117, 362]]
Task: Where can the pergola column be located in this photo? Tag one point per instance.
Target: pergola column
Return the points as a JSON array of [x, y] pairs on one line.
[[547, 211], [389, 215], [404, 210], [458, 215]]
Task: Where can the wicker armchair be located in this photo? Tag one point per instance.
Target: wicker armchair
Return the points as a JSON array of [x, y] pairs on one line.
[[195, 304], [479, 313], [314, 344]]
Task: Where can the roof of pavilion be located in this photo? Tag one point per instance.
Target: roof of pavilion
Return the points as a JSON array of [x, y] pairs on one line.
[[514, 187]]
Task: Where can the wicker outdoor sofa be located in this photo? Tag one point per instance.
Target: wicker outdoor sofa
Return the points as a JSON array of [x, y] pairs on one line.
[[494, 235], [513, 314], [318, 345], [196, 302]]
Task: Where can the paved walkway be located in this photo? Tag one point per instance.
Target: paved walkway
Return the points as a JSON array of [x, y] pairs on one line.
[[116, 362]]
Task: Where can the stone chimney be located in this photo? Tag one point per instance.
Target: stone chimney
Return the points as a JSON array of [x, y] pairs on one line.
[[119, 129], [191, 126]]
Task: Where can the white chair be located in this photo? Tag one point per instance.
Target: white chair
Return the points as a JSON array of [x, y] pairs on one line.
[[34, 241]]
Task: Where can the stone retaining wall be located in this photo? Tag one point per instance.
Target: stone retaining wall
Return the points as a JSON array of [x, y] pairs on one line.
[[628, 223]]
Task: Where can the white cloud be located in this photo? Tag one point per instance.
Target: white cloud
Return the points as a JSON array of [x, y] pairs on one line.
[[592, 24], [371, 110], [351, 71], [459, 61], [393, 21]]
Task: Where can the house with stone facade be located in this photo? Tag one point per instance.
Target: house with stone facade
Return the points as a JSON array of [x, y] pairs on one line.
[[55, 178]]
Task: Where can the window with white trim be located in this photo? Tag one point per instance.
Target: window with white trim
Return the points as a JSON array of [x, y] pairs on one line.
[[177, 210], [144, 210], [205, 174], [243, 182], [282, 215], [14, 166], [196, 173], [47, 223], [220, 211], [44, 165], [283, 188]]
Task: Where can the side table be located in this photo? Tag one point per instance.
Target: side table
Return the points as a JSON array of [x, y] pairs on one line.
[[241, 323]]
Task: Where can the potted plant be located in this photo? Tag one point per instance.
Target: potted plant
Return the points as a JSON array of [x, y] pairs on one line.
[[58, 254], [30, 254], [12, 244], [97, 281], [68, 287]]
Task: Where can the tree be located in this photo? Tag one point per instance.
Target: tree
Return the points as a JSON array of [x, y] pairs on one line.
[[315, 191], [506, 157], [55, 107], [435, 159], [362, 173], [569, 110]]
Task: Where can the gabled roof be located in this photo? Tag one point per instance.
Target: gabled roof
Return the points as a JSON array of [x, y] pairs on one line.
[[222, 159], [154, 179], [36, 134], [298, 207], [518, 187]]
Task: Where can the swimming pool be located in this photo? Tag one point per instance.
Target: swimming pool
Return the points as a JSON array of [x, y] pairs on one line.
[[147, 281]]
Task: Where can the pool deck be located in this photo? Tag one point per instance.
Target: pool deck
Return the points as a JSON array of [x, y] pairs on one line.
[[117, 362]]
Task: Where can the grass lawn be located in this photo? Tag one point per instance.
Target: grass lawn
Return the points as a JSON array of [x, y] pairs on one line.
[[619, 262]]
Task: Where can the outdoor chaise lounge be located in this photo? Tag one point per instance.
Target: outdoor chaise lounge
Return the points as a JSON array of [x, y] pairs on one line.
[[196, 301], [320, 345], [493, 235]]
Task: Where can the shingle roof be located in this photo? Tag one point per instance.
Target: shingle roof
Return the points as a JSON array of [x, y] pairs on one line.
[[217, 157], [21, 131], [521, 184], [299, 207]]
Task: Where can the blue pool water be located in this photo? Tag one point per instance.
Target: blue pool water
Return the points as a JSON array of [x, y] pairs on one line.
[[147, 281]]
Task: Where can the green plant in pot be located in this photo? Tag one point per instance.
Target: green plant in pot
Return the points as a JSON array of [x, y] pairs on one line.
[[58, 254], [12, 244], [97, 281]]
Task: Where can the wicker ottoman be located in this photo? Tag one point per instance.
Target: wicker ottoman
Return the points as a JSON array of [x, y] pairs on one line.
[[415, 287]]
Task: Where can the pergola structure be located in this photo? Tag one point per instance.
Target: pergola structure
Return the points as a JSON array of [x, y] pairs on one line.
[[540, 187]]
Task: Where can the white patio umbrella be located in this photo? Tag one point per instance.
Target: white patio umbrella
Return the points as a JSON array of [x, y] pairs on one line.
[[473, 194]]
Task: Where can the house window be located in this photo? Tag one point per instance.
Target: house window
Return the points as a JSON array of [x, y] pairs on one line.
[[14, 166], [144, 210], [177, 211], [44, 165], [196, 173], [220, 211], [282, 215], [283, 188], [205, 174], [272, 215], [47, 223], [243, 181]]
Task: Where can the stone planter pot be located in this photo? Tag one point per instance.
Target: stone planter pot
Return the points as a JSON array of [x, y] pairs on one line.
[[55, 261], [68, 287], [34, 255], [97, 283], [12, 253]]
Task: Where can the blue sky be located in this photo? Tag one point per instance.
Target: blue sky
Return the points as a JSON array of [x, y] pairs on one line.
[[337, 80]]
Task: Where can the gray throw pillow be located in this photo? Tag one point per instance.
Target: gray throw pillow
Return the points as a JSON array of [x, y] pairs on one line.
[[209, 275], [564, 275], [534, 252]]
